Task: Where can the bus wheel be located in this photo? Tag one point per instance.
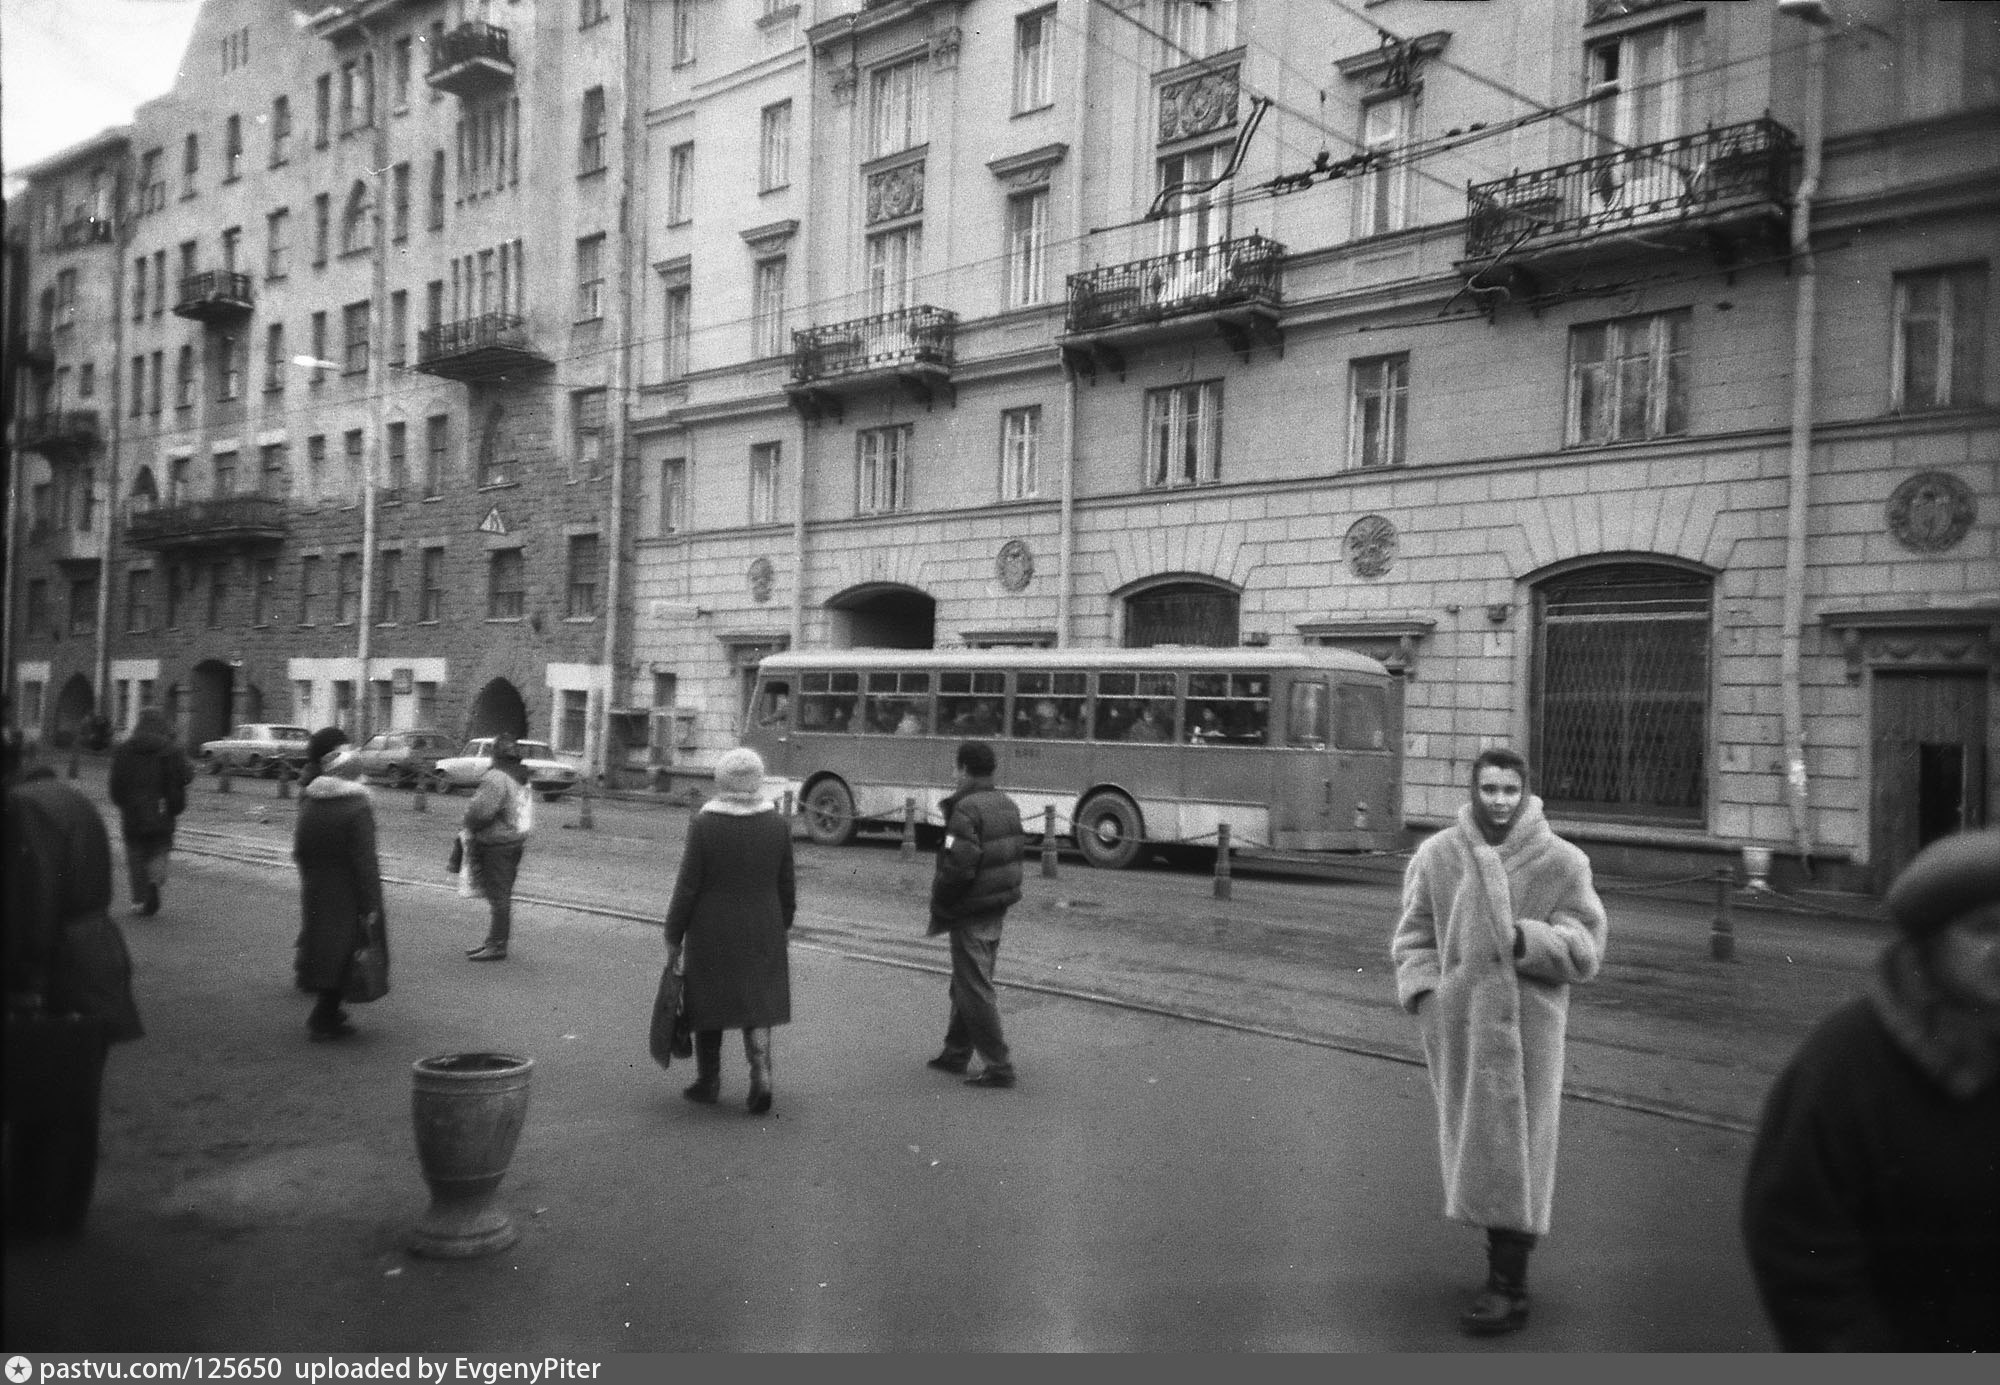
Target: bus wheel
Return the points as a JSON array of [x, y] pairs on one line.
[[1108, 831], [829, 813]]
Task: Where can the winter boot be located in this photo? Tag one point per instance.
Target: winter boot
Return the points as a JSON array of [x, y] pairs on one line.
[[1502, 1306], [707, 1067], [757, 1050]]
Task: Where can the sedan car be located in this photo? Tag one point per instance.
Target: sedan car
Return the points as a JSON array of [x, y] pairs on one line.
[[547, 775], [404, 757], [257, 748]]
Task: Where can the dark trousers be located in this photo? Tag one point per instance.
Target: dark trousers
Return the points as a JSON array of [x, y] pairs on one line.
[[146, 866], [495, 868], [975, 1011]]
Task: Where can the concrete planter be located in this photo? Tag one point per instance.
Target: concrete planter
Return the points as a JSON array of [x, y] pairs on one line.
[[468, 1109]]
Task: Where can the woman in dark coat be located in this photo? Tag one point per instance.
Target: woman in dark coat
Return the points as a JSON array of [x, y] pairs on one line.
[[726, 927], [149, 778], [340, 885]]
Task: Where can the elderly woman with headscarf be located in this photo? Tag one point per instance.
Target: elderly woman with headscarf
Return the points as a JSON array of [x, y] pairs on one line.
[[1499, 918], [726, 926], [340, 884], [1872, 1206], [497, 824], [148, 784]]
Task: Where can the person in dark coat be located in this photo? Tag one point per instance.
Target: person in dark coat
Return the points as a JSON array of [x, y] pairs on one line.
[[340, 885], [1871, 1211], [319, 746], [69, 994], [727, 926], [498, 822], [149, 779], [976, 877]]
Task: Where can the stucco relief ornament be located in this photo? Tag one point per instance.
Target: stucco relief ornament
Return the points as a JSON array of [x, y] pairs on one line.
[[1931, 511], [1198, 105], [944, 47], [1015, 564], [895, 192], [1370, 546], [761, 576], [842, 82]]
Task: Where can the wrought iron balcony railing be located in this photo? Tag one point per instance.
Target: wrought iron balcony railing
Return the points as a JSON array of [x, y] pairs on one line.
[[86, 230], [1731, 169], [471, 58], [477, 348], [214, 295], [1231, 273], [920, 337], [231, 519], [70, 430]]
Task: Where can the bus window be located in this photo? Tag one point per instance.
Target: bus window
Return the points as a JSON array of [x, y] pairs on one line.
[[1364, 718], [899, 704], [1136, 707], [1233, 708], [826, 701], [971, 704], [774, 703], [1050, 706], [1308, 714]]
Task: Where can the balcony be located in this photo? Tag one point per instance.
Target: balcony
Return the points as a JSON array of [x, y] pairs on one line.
[[230, 521], [911, 347], [473, 58], [1707, 190], [214, 295], [1233, 286], [64, 543], [58, 432], [487, 347], [86, 230]]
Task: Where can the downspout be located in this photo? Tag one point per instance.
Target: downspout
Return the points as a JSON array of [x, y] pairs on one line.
[[1804, 328], [636, 53], [371, 445], [1066, 524], [114, 442]]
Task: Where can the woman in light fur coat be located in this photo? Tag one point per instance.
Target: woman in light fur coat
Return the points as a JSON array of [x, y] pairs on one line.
[[1499, 917]]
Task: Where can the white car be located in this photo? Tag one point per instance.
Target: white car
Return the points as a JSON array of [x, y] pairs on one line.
[[547, 776], [257, 748]]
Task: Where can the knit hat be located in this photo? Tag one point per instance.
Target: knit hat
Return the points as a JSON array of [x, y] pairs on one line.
[[740, 773], [323, 740], [1949, 879]]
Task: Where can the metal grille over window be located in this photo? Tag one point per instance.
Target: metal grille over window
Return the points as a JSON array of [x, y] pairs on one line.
[[1621, 693], [1233, 708]]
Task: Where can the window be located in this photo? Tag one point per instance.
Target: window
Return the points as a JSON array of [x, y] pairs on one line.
[[399, 75], [1378, 411], [1020, 449], [680, 184], [322, 108], [767, 308], [318, 482], [1198, 29], [764, 465], [774, 147], [673, 495], [232, 248], [399, 327], [190, 163], [350, 480], [678, 333], [180, 582], [1381, 196], [1652, 95], [1618, 697], [581, 581], [322, 226], [1034, 60], [318, 326], [159, 282], [506, 584], [158, 372], [184, 379], [232, 148], [430, 596], [83, 606], [590, 135], [310, 577], [590, 278], [138, 385], [496, 467], [274, 358], [152, 184], [277, 243], [263, 589], [347, 589], [1196, 225], [225, 466], [1184, 435], [354, 329], [281, 130], [573, 721], [436, 220], [399, 202], [357, 223], [895, 261], [138, 601], [271, 470], [897, 100], [218, 594], [397, 449], [1027, 248], [139, 288], [437, 451], [1940, 331], [1628, 378], [38, 606], [357, 94], [389, 586], [229, 360], [882, 457], [589, 12]]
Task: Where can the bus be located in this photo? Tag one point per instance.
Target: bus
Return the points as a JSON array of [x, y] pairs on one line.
[[1297, 750]]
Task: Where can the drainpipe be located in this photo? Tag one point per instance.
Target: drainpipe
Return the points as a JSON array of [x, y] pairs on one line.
[[113, 444], [1804, 326], [371, 444], [1066, 524], [636, 61]]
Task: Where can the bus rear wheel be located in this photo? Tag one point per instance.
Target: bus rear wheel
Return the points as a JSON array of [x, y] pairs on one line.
[[1108, 832], [829, 813]]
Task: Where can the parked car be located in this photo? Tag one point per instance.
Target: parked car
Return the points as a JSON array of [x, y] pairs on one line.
[[258, 748], [404, 757], [547, 776]]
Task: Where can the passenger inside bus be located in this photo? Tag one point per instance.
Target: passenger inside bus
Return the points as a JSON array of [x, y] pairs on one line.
[[911, 723], [777, 705], [1155, 723], [982, 718]]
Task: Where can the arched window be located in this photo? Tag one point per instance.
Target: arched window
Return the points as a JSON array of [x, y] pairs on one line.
[[1203, 613], [357, 225], [1620, 694], [145, 491]]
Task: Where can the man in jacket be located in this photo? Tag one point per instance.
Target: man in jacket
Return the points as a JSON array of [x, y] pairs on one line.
[[499, 819], [978, 875], [149, 778]]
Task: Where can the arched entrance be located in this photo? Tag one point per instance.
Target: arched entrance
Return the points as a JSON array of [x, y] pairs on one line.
[[882, 615], [211, 701], [499, 707], [74, 705]]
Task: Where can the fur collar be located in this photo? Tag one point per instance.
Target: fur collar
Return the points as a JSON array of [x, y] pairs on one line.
[[1530, 830], [333, 786], [1957, 1048], [739, 805]]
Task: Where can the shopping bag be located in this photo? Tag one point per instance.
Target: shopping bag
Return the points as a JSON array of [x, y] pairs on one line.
[[462, 865], [368, 978], [670, 1038], [457, 861]]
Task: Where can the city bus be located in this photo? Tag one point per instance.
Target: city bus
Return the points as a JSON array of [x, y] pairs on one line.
[[1297, 750]]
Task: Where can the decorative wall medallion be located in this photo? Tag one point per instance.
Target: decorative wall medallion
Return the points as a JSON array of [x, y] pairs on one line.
[[944, 47], [1370, 546], [1931, 512], [1198, 105], [896, 192], [761, 577], [1015, 564]]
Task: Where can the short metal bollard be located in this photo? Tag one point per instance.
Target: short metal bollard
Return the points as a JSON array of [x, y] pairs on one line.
[[420, 797], [909, 829], [1222, 861], [223, 784], [584, 819], [1722, 933], [1049, 842], [284, 781]]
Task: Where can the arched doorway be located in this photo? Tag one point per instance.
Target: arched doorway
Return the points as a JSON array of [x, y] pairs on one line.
[[882, 615], [211, 701], [73, 709], [1182, 612], [499, 707]]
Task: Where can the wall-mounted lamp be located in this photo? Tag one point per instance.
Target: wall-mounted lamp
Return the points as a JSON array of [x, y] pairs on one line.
[[1498, 612], [1256, 639]]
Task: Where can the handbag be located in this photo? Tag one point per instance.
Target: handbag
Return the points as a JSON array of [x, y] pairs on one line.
[[457, 861], [670, 1037], [368, 977]]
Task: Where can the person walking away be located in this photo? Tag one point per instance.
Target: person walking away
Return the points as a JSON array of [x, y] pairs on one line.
[[340, 885], [1871, 1209], [319, 746], [728, 924], [148, 784], [499, 819], [1499, 919], [977, 876], [69, 994]]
